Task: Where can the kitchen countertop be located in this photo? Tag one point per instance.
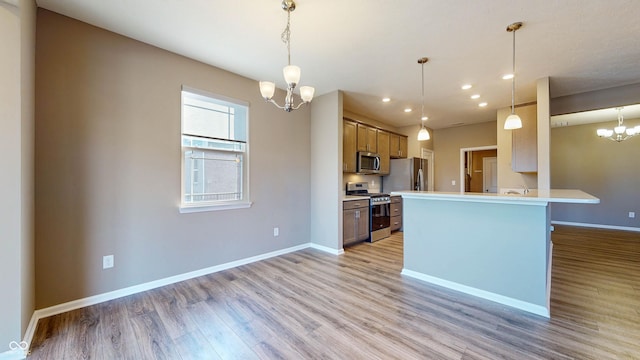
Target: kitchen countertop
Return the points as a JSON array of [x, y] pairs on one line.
[[534, 196], [354, 197]]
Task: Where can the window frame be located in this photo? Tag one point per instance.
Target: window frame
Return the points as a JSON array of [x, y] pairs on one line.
[[243, 203]]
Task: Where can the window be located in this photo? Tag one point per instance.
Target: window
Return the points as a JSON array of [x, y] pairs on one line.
[[214, 152]]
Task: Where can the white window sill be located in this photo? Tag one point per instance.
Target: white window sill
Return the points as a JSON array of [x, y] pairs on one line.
[[193, 208]]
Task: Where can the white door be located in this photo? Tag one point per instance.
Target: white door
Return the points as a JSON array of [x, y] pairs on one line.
[[490, 174], [427, 155]]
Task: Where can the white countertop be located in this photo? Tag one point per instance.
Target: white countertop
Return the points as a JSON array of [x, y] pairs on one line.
[[354, 197], [534, 196]]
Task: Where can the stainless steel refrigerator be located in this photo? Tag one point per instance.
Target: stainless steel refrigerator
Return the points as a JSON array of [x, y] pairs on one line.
[[406, 174]]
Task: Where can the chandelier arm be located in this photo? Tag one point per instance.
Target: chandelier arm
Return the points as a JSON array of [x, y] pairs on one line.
[[298, 106], [276, 104]]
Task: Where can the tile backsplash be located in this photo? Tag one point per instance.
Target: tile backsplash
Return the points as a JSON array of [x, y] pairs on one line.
[[375, 181]]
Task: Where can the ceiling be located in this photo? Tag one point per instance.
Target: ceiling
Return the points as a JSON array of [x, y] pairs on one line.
[[369, 48]]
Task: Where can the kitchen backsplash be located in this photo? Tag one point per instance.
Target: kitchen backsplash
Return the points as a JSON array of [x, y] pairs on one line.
[[375, 181]]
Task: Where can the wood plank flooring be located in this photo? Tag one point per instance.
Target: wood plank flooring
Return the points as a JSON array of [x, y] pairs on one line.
[[311, 305]]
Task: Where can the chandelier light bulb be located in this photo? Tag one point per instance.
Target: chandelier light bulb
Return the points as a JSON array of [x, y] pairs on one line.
[[291, 75], [306, 93], [267, 89]]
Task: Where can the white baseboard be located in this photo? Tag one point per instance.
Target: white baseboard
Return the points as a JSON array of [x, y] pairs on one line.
[[597, 226], [501, 299], [327, 249], [96, 299]]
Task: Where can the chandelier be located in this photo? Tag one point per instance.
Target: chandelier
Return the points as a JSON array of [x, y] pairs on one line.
[[513, 121], [291, 72], [423, 134], [620, 132]]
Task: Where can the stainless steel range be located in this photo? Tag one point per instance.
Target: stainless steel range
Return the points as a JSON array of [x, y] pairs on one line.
[[379, 210]]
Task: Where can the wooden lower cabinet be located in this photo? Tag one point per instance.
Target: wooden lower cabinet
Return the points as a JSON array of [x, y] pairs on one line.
[[355, 223], [396, 213]]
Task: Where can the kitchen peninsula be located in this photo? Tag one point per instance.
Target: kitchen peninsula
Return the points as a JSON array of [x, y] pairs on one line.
[[494, 246]]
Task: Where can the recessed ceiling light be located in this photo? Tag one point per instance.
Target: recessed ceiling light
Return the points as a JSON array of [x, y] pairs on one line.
[[507, 77], [466, 86], [386, 99], [407, 110], [425, 118], [475, 96], [482, 104]]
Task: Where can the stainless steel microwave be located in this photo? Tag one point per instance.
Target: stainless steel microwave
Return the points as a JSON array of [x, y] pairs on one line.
[[368, 163]]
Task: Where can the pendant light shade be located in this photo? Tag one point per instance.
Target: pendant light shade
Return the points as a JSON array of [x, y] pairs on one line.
[[513, 121], [423, 134]]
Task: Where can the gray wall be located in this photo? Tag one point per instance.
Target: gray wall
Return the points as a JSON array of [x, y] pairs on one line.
[[326, 171], [603, 168], [608, 170], [107, 162], [446, 147], [17, 46]]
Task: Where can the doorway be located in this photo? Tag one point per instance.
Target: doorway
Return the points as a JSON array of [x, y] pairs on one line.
[[427, 155], [490, 174], [472, 169]]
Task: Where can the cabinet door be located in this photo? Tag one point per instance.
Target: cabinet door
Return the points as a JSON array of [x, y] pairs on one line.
[[362, 138], [396, 223], [403, 147], [349, 147], [349, 227], [367, 137], [372, 140], [363, 223], [394, 146], [383, 151]]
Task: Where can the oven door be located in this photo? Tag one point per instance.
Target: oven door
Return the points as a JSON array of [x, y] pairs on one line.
[[380, 216]]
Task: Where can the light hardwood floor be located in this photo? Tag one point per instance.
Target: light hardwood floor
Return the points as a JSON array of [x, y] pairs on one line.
[[311, 305]]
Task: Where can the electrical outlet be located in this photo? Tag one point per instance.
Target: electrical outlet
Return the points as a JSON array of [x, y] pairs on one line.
[[276, 231], [453, 183], [107, 261], [632, 214]]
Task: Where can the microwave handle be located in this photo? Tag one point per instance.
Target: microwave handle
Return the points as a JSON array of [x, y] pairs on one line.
[[376, 163]]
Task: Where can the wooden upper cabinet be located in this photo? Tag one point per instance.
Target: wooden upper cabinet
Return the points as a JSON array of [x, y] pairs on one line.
[[367, 138], [383, 151], [398, 147], [349, 152], [524, 145], [403, 146]]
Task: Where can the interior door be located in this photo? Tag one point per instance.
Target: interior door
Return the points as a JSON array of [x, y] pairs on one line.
[[490, 174]]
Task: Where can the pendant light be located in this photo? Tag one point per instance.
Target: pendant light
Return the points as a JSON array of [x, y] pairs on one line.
[[423, 134], [291, 72], [513, 121]]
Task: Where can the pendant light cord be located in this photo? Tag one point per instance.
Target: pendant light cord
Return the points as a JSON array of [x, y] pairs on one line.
[[422, 113], [513, 79]]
